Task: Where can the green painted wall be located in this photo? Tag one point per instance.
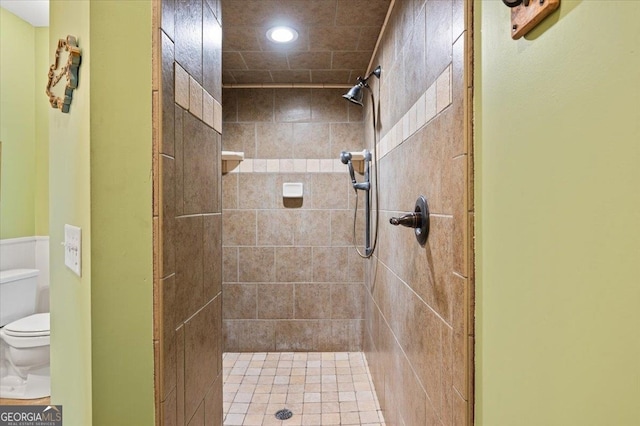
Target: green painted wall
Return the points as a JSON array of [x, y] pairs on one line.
[[557, 139], [17, 134], [102, 334], [70, 196], [42, 107], [121, 214]]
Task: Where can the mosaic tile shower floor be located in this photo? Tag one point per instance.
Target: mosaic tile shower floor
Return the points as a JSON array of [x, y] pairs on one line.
[[320, 388]]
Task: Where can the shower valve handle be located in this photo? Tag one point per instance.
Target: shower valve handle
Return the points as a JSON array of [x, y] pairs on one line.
[[410, 220], [418, 220]]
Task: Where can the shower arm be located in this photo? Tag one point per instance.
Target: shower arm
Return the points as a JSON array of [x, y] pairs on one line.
[[375, 72]]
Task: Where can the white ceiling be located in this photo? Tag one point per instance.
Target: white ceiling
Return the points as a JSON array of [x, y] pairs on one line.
[[35, 12]]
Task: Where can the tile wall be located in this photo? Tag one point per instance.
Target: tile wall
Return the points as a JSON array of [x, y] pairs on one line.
[[291, 278], [187, 212], [419, 301]]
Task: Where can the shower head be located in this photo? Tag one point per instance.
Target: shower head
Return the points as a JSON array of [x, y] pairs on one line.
[[355, 94], [345, 157]]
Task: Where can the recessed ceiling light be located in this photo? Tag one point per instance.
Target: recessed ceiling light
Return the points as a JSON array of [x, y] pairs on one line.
[[282, 34]]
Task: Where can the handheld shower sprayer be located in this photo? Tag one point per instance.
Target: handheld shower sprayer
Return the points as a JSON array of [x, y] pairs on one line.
[[345, 157]]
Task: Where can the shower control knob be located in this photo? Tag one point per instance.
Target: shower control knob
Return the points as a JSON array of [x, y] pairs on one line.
[[418, 220], [410, 220]]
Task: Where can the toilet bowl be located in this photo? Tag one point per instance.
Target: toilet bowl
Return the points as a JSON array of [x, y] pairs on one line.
[[24, 342]]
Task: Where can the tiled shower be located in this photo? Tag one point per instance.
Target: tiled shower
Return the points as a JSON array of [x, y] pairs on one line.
[[291, 279], [281, 275]]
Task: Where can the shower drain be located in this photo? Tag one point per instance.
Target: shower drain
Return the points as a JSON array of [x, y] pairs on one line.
[[284, 414]]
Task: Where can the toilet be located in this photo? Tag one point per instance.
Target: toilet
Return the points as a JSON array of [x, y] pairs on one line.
[[24, 338]]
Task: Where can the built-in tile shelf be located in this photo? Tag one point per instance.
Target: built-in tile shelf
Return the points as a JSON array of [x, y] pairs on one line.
[[290, 165], [231, 160], [357, 158]]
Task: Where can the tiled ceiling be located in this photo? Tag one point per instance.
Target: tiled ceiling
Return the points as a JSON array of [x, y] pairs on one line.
[[335, 43]]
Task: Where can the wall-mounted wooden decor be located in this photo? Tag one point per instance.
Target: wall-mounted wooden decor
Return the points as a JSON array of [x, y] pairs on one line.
[[68, 71], [528, 13]]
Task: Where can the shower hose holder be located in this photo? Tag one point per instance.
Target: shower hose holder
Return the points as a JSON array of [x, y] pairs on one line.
[[418, 220]]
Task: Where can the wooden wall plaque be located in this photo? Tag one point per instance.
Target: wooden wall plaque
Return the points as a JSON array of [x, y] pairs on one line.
[[529, 14], [69, 72]]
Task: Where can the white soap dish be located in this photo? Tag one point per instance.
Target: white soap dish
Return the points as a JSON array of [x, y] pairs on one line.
[[292, 190]]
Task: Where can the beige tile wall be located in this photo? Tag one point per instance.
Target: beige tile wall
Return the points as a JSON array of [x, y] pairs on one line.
[[187, 212], [291, 279], [418, 307]]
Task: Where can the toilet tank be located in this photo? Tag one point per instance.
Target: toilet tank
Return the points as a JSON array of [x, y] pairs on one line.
[[17, 294]]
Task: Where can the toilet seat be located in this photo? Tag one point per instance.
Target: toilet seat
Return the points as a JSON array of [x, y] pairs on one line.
[[32, 326], [27, 332]]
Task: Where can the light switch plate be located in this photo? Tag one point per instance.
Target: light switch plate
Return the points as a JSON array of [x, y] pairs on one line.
[[73, 248]]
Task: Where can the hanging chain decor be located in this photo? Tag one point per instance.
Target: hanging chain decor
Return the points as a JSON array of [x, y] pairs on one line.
[[69, 71]]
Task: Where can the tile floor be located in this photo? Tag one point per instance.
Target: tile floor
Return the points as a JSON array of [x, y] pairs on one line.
[[320, 388]]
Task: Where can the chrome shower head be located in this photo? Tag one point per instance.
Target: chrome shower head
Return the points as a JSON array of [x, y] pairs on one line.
[[345, 157], [355, 94]]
